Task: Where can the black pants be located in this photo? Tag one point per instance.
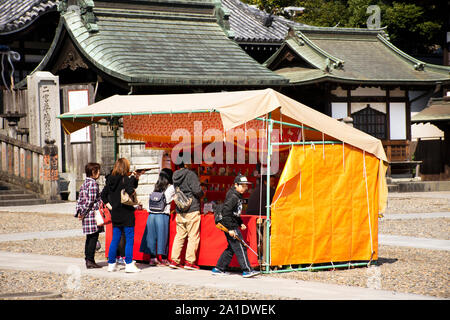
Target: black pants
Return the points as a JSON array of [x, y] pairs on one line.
[[237, 248], [90, 246]]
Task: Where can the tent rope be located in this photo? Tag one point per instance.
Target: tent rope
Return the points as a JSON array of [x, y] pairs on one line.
[[300, 186], [279, 196], [368, 205]]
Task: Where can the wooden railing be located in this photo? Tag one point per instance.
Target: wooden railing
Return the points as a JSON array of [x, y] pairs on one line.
[[397, 150], [400, 160], [22, 164]]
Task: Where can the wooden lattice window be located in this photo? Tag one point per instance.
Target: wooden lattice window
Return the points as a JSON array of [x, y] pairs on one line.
[[370, 121]]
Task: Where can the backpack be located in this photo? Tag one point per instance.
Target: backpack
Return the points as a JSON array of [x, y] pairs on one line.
[[156, 202], [182, 201], [217, 209]]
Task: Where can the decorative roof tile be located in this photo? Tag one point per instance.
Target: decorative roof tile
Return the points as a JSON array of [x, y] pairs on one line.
[[247, 23], [17, 15]]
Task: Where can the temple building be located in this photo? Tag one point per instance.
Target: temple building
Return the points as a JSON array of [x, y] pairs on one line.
[[102, 48], [85, 51], [345, 73], [358, 73]]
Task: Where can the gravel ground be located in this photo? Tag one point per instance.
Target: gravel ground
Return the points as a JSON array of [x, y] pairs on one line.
[[438, 228], [406, 203], [408, 270], [95, 288], [31, 222]]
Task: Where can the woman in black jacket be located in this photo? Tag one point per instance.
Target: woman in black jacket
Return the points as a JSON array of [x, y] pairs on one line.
[[122, 216]]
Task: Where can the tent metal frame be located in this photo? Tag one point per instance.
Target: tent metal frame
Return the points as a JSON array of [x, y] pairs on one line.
[[113, 119], [266, 265]]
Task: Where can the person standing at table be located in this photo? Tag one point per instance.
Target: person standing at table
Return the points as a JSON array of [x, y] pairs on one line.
[[120, 259], [122, 215], [156, 234], [258, 198], [231, 219], [188, 223], [88, 202]]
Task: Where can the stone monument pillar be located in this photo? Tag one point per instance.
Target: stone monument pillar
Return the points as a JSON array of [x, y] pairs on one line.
[[51, 188], [43, 108]]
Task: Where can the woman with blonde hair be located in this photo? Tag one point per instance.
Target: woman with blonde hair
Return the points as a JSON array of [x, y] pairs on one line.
[[122, 215]]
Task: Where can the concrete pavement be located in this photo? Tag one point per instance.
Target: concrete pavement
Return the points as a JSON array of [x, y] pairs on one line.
[[286, 288], [40, 235], [292, 289], [412, 242], [408, 216]]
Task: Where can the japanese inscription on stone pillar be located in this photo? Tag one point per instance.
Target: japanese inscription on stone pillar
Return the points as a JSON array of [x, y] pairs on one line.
[[44, 97]]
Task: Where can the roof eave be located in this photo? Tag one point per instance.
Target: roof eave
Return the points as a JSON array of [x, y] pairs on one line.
[[209, 82], [424, 120], [332, 78]]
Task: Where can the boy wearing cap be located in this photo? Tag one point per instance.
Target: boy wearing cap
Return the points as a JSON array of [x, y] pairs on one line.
[[231, 219]]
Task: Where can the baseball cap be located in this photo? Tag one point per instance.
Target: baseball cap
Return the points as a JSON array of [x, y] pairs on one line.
[[240, 179]]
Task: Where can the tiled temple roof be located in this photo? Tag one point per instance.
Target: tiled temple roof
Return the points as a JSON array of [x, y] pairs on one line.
[[155, 42], [350, 55]]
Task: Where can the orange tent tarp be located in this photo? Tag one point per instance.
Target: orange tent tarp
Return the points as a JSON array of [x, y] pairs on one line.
[[326, 206]]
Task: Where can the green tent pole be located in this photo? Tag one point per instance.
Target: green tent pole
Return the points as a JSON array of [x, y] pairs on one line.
[[114, 125], [269, 153], [116, 151]]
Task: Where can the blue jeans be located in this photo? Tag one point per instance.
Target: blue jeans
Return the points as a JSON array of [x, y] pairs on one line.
[[156, 235], [129, 242]]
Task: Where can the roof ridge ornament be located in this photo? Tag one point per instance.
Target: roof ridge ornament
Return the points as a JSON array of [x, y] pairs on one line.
[[87, 15], [223, 18], [62, 6], [420, 66]]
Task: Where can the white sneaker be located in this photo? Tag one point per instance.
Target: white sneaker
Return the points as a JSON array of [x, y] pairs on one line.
[[131, 268], [112, 267]]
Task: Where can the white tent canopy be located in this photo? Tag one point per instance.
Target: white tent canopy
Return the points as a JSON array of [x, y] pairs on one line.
[[235, 108]]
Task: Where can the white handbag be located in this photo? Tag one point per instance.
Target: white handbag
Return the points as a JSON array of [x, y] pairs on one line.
[[99, 218]]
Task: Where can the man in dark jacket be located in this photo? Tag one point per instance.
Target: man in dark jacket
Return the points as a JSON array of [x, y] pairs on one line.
[[231, 219], [188, 223], [258, 198]]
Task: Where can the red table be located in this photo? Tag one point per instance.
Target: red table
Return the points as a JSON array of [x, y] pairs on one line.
[[139, 227], [212, 240]]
